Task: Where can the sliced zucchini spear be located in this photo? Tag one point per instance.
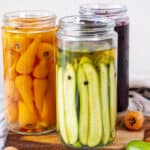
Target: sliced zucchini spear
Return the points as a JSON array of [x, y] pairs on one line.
[[113, 97], [84, 105], [57, 118], [70, 103], [104, 84], [95, 120], [85, 60], [61, 104]]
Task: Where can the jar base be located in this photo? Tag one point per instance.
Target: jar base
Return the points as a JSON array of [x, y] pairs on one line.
[[17, 131], [89, 148]]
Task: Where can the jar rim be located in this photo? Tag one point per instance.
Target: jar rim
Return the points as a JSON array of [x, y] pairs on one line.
[[29, 18], [86, 20], [102, 8], [78, 25]]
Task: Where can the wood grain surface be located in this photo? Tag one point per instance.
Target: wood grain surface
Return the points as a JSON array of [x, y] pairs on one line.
[[53, 142]]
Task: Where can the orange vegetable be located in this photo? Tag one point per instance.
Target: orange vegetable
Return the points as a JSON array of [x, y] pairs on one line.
[[49, 111], [41, 70], [49, 37], [26, 62], [48, 117], [24, 86], [11, 91], [45, 51], [6, 37], [19, 42], [40, 89], [134, 120], [10, 61], [11, 57], [11, 111], [11, 72], [27, 117], [32, 36]]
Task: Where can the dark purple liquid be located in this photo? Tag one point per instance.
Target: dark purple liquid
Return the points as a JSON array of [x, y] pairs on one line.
[[123, 66]]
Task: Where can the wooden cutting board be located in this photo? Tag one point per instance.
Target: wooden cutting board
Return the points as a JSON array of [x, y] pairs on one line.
[[53, 142]]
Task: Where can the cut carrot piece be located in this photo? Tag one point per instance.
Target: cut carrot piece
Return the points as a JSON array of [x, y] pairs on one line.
[[6, 36], [49, 37], [24, 86], [45, 51], [11, 111], [41, 70], [26, 62], [11, 73], [10, 61], [27, 117], [11, 91], [33, 36], [49, 110], [40, 89], [19, 43]]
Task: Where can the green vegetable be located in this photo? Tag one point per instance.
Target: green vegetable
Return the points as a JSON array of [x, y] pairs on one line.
[[113, 98], [70, 103], [86, 98], [138, 145], [104, 88], [77, 145], [57, 124], [85, 60], [84, 105], [61, 104], [95, 120]]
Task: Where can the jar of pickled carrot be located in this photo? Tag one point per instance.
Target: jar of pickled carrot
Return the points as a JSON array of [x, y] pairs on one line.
[[29, 46]]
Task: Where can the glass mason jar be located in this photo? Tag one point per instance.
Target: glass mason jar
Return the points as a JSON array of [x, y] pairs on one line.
[[119, 14], [86, 81], [29, 50]]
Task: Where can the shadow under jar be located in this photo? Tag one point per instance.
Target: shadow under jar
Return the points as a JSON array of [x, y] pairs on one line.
[[29, 48], [86, 81], [119, 14]]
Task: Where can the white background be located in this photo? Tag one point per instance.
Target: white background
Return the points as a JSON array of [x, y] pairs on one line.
[[139, 12]]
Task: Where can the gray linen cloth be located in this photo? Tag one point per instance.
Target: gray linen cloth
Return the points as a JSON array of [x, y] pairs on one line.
[[139, 94], [3, 129]]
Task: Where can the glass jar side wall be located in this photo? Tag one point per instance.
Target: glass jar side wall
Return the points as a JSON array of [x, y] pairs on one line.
[[29, 79], [123, 65], [86, 92]]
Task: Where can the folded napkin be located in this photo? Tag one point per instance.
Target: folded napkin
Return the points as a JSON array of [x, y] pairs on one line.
[[139, 94], [3, 129]]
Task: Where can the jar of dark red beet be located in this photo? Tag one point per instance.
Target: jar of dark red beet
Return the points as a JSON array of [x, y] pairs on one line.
[[119, 14]]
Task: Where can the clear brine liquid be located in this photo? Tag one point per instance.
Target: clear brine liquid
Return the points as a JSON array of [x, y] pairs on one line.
[[86, 97]]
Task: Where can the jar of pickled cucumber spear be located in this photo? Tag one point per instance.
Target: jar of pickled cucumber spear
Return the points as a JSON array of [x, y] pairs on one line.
[[86, 81], [29, 48]]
